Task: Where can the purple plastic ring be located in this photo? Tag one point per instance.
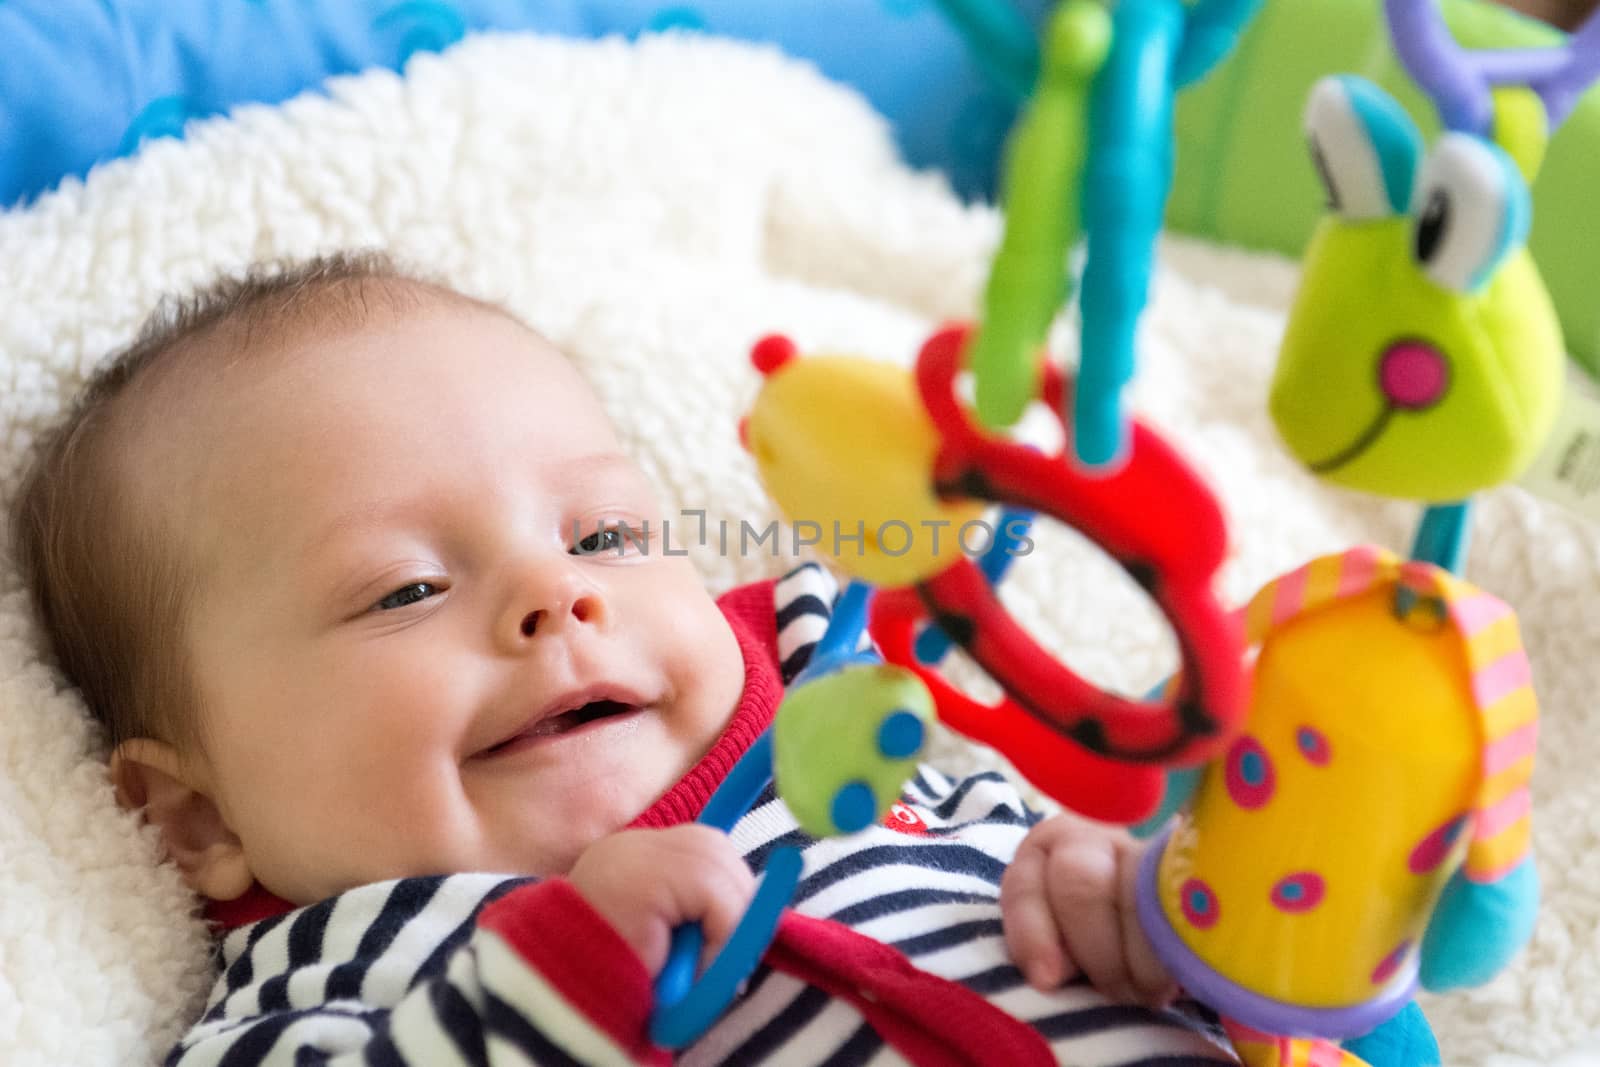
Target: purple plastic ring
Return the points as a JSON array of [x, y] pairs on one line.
[[1233, 1001]]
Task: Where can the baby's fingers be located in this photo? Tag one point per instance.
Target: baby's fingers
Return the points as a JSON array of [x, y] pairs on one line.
[[1029, 924], [1149, 976], [716, 893], [1082, 876]]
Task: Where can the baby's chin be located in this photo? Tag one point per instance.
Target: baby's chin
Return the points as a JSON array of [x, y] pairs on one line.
[[539, 821]]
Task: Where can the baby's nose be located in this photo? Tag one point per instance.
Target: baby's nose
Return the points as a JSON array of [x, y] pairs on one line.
[[584, 608], [542, 602]]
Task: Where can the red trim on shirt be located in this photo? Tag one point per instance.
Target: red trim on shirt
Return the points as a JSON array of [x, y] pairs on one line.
[[931, 1021], [256, 904], [752, 616], [571, 946]]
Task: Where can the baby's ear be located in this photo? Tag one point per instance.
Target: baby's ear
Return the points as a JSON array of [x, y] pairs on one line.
[[150, 775]]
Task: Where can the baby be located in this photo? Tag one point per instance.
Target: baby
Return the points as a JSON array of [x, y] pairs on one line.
[[335, 556]]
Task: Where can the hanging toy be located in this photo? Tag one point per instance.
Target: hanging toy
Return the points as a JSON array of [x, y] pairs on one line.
[[1095, 148], [843, 742], [1423, 358], [1368, 831], [877, 460], [1043, 175], [847, 735], [846, 445], [864, 448]]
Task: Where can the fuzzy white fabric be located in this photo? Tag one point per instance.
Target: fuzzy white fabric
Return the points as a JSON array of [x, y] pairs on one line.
[[653, 209]]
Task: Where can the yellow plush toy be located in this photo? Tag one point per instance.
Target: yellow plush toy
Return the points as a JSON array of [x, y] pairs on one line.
[[1369, 829]]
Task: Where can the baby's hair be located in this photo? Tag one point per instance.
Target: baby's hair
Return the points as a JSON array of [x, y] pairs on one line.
[[109, 582]]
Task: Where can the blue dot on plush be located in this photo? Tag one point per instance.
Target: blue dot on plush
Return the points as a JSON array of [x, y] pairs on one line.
[[900, 735], [854, 807]]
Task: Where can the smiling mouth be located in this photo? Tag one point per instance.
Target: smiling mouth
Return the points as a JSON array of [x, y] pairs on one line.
[[567, 722], [1354, 449]]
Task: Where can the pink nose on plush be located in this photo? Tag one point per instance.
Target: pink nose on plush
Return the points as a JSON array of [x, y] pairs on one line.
[[1413, 375]]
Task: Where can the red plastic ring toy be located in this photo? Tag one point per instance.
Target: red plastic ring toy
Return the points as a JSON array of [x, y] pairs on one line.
[[1154, 516]]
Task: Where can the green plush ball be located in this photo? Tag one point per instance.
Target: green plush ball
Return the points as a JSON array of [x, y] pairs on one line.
[[844, 745]]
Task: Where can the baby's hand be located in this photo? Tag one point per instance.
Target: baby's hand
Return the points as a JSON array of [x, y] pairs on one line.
[[645, 882], [1067, 905]]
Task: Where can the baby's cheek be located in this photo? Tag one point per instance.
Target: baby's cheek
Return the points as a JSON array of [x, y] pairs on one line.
[[685, 625], [716, 663]]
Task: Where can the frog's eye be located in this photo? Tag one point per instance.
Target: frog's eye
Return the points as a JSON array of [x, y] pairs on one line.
[[1365, 147], [1473, 210]]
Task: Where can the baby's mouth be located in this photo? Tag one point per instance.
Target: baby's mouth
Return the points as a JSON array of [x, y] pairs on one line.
[[547, 725]]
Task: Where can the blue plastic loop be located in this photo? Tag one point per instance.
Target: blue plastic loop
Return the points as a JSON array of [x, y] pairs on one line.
[[685, 1009], [839, 645], [738, 791], [677, 977]]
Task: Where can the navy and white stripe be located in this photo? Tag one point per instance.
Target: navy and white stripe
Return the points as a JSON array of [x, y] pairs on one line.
[[390, 973], [804, 599]]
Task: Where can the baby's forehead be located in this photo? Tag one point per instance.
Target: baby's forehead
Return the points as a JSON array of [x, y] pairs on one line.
[[253, 379], [309, 322], [301, 339], [206, 342]]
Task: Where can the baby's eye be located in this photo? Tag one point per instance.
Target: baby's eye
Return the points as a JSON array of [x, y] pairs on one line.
[[407, 595], [615, 538]]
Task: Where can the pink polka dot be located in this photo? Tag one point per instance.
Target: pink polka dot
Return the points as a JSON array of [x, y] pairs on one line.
[[1313, 745], [1432, 850], [1249, 774], [1299, 893], [1199, 904], [1391, 964], [1413, 375]]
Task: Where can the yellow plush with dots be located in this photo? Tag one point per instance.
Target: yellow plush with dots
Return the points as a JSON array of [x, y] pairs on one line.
[[1389, 744], [1362, 743]]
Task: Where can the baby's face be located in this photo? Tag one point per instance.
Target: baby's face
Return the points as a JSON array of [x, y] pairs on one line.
[[405, 664]]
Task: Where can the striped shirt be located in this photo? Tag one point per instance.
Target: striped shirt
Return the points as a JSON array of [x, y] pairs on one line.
[[893, 951]]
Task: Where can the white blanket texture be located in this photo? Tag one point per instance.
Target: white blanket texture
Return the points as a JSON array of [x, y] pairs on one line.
[[653, 208]]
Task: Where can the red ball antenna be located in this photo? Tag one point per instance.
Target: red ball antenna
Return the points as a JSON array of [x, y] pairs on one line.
[[772, 352]]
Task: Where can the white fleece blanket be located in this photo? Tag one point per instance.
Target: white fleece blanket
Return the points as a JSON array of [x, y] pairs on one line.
[[653, 209]]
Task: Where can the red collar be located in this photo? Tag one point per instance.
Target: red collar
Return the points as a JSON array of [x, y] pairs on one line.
[[750, 613]]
